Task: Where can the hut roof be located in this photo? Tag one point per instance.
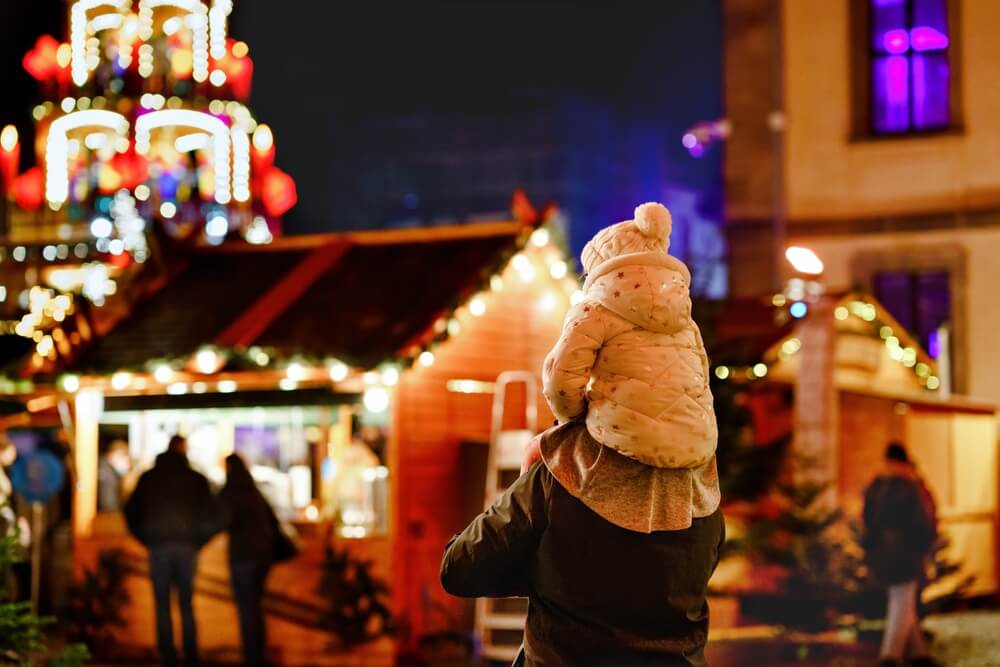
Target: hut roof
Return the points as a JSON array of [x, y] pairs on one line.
[[363, 297]]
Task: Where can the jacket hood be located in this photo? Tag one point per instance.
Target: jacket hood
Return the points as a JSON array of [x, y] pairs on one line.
[[648, 289]]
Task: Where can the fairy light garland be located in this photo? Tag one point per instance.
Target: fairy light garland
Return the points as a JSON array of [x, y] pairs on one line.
[[866, 312], [299, 369]]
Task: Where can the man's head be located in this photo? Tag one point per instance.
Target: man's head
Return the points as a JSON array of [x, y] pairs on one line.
[[178, 444], [896, 453]]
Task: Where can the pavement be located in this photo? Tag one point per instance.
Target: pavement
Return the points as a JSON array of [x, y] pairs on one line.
[[966, 639]]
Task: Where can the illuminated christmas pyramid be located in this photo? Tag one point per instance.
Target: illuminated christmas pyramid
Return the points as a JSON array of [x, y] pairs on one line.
[[145, 124], [143, 141]]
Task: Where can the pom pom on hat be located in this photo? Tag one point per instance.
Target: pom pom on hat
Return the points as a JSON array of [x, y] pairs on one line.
[[654, 221]]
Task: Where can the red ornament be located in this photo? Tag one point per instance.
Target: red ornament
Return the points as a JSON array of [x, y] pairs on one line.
[[131, 168], [121, 261], [238, 70], [42, 61], [29, 189], [278, 192]]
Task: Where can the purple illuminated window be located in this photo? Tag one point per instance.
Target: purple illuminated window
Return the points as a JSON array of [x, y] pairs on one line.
[[920, 301], [910, 74]]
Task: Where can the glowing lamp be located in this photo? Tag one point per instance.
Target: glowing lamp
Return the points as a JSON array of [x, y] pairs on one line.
[[10, 156], [804, 260]]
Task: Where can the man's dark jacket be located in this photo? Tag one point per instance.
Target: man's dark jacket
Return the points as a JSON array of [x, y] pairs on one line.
[[900, 528], [599, 595], [172, 504]]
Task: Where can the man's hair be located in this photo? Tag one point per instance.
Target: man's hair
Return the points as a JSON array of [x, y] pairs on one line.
[[176, 443], [896, 452]]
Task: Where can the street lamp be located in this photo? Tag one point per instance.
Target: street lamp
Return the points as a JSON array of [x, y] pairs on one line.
[[805, 286]]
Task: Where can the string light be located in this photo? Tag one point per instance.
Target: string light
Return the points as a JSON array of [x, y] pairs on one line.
[[722, 372], [338, 371], [121, 380], [57, 148], [477, 306], [78, 26], [426, 359], [496, 283], [540, 237], [163, 373], [226, 386], [376, 399], [558, 270], [390, 376], [197, 120], [295, 371], [207, 361], [263, 138], [70, 383], [241, 165]]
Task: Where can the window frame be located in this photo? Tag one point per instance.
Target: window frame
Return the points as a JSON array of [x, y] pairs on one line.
[[916, 258], [861, 58]]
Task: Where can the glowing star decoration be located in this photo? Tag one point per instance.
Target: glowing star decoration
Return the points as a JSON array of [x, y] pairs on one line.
[[196, 120], [57, 148]]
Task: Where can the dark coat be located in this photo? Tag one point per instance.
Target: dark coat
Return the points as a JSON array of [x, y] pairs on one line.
[[900, 528], [172, 504], [599, 595], [250, 522]]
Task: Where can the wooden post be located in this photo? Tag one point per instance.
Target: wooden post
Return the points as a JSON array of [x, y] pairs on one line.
[[816, 418], [89, 405]]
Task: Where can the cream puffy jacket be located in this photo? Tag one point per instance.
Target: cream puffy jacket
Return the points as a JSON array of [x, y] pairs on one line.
[[633, 360]]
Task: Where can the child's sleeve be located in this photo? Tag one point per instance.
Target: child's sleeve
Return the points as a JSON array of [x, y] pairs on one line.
[[566, 372]]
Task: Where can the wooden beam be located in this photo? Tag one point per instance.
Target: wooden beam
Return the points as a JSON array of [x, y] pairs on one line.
[[255, 321], [376, 237]]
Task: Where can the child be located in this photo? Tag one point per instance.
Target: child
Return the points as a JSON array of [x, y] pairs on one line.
[[631, 362], [614, 535]]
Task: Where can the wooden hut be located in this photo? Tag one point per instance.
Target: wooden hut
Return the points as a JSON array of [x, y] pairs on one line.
[[273, 351], [845, 378]]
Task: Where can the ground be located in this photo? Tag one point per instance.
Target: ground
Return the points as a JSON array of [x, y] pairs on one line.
[[960, 640]]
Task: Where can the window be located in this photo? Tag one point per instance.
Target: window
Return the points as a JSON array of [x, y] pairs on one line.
[[919, 300], [909, 70]]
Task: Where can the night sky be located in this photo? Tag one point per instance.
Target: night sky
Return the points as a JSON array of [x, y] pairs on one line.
[[322, 68]]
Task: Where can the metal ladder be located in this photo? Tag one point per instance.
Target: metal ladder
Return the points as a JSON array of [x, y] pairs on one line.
[[500, 622]]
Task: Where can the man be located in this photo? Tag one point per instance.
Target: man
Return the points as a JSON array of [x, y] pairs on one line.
[[900, 530], [173, 513], [111, 472]]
